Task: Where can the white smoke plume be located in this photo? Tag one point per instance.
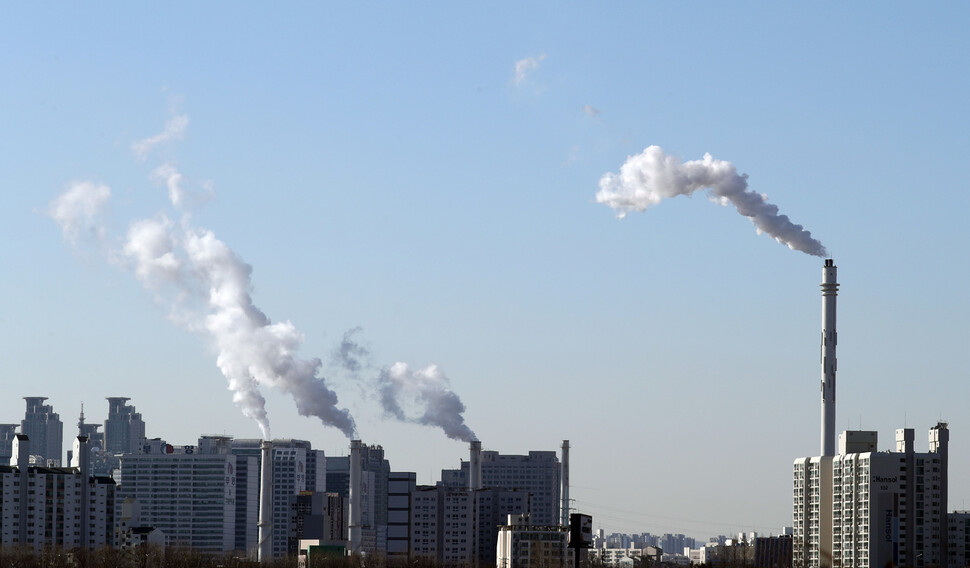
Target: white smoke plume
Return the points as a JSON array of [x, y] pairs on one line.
[[168, 174], [78, 210], [649, 177], [207, 288], [174, 130], [525, 66], [428, 390]]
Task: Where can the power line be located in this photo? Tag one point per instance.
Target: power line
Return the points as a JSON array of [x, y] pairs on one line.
[[633, 518]]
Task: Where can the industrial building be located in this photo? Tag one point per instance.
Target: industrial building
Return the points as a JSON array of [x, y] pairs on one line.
[[458, 520], [860, 507], [538, 474], [375, 471], [296, 469]]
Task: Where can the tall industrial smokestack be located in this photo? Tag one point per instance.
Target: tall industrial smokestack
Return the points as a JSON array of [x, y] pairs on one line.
[[475, 465], [564, 510], [830, 290], [354, 528], [265, 545]]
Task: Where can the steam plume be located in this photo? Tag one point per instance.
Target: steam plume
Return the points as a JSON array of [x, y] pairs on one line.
[[649, 177], [174, 130], [78, 210], [524, 67], [427, 389], [351, 355], [207, 288]]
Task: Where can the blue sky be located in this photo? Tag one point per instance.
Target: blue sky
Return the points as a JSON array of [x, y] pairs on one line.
[[381, 166]]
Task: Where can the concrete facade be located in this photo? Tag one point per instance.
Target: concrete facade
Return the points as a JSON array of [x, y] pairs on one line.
[[861, 509], [44, 507], [539, 473], [123, 429], [400, 489], [297, 468], [521, 544], [187, 494], [458, 526], [44, 428]]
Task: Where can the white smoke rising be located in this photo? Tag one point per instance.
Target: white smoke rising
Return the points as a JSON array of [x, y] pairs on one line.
[[78, 210], [651, 176], [174, 130], [429, 391], [168, 174], [150, 246], [207, 288], [525, 66]]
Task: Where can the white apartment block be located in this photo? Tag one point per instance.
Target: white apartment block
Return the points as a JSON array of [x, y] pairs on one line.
[[866, 508], [188, 495], [206, 496], [812, 515], [63, 507]]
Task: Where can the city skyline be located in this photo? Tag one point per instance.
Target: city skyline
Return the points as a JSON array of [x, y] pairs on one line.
[[424, 183]]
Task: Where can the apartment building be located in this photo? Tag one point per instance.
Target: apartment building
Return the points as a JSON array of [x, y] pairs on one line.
[[539, 474], [45, 507], [866, 508]]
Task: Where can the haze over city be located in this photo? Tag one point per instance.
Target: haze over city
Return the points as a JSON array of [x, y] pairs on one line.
[[427, 197]]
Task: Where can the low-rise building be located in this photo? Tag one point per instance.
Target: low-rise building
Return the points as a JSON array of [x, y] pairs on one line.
[[615, 556], [524, 545]]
